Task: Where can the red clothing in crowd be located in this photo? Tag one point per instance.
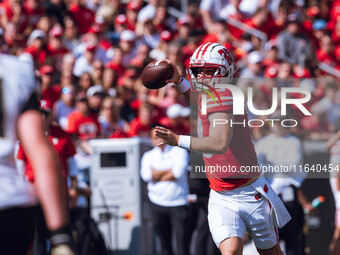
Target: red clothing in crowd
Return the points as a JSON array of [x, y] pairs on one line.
[[33, 15], [38, 56], [52, 94], [63, 146], [5, 9], [179, 129], [269, 27], [138, 129], [83, 16], [328, 58], [85, 127]]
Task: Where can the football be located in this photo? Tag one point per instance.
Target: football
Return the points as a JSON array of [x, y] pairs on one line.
[[156, 73]]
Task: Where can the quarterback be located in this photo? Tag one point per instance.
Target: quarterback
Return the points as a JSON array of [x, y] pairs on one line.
[[239, 201]]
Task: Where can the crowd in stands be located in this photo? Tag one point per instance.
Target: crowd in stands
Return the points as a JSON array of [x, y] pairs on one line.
[[88, 56], [85, 51]]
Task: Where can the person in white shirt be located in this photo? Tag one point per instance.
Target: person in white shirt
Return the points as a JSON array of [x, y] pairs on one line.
[[164, 168]]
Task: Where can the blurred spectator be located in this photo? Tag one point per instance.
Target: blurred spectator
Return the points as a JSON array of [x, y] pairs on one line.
[[124, 97], [142, 96], [64, 75], [50, 92], [148, 34], [175, 119], [132, 9], [85, 62], [65, 105], [294, 47], [141, 125], [254, 66], [173, 54], [142, 57], [109, 82], [326, 52], [112, 125], [117, 62], [184, 30], [319, 30], [33, 11], [128, 79], [12, 11], [210, 10], [126, 47], [172, 97], [167, 191], [36, 47], [70, 39], [162, 21], [263, 21], [55, 46], [97, 71], [95, 95], [84, 82], [220, 34], [44, 24], [11, 41], [272, 56], [83, 16], [323, 106], [57, 10], [159, 52], [148, 11], [83, 123], [316, 127]]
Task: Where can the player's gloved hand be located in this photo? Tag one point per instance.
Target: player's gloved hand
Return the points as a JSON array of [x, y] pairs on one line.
[[62, 242]]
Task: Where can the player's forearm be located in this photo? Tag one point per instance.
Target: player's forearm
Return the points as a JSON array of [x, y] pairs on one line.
[[209, 145], [49, 183], [51, 190]]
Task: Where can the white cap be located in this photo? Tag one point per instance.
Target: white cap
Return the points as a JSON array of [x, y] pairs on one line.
[[37, 33], [255, 57], [96, 89], [177, 110], [128, 35]]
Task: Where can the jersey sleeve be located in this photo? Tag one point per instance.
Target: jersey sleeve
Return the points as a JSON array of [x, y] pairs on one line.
[[221, 103]]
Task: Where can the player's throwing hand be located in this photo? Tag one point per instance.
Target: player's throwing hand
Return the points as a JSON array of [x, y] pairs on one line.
[[167, 135]]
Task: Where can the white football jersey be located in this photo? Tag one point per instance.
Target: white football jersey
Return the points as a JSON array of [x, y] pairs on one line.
[[17, 85]]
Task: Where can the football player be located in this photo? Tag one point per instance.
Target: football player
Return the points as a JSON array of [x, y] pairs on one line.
[[20, 118], [239, 201]]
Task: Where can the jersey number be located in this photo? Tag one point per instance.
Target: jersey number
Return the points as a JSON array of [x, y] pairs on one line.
[[2, 113]]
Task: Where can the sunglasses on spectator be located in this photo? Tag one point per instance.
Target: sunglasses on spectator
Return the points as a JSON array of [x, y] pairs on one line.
[[67, 91]]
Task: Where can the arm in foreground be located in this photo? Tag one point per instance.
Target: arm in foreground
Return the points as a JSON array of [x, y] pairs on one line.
[[48, 176]]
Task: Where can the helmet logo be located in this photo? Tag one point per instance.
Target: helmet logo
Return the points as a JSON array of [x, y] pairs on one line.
[[223, 52]]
